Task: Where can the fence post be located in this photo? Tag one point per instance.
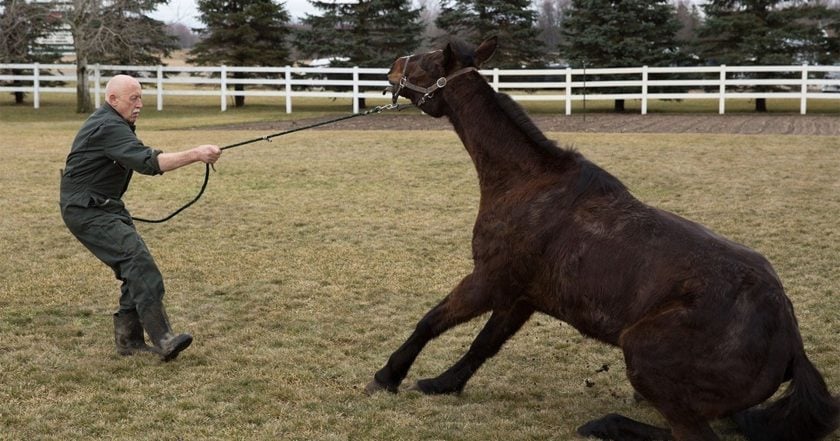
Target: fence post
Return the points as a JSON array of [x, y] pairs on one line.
[[496, 79], [36, 86], [355, 89], [568, 91], [159, 88], [722, 102], [288, 89], [644, 89], [803, 103], [97, 78], [223, 85]]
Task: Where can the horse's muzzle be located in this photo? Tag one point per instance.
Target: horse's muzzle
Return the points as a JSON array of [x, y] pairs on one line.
[[394, 91]]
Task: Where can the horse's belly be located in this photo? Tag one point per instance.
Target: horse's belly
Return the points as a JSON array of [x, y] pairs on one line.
[[590, 320]]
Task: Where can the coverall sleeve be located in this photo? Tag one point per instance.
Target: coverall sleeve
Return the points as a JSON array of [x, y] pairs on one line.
[[122, 146]]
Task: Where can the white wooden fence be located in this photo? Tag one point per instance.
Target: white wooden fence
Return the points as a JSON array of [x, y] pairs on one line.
[[798, 82]]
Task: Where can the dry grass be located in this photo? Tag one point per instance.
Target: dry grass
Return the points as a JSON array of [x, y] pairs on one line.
[[311, 258]]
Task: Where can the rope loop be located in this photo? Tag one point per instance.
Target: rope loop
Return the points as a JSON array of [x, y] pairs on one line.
[[267, 138]]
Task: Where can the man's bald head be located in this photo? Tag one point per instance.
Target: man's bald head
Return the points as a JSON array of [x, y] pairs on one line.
[[124, 94]]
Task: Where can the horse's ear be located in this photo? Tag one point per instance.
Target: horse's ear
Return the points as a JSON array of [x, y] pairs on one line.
[[486, 50], [449, 56]]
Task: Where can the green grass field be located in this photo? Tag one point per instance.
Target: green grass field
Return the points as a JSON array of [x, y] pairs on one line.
[[310, 259]]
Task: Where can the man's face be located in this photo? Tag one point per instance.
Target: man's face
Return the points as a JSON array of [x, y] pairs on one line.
[[127, 101]]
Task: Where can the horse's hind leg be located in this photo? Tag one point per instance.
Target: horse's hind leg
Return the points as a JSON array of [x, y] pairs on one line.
[[467, 301], [679, 371], [501, 326], [617, 427]]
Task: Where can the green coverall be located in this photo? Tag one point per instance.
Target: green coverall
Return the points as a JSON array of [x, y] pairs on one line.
[[99, 167]]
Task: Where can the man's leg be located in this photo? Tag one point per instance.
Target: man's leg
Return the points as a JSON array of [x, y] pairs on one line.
[[128, 333], [112, 238]]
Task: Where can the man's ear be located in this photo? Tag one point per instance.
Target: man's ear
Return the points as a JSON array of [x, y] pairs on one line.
[[486, 50]]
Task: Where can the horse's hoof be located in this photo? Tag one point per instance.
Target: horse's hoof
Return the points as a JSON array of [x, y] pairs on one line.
[[374, 387], [427, 387]]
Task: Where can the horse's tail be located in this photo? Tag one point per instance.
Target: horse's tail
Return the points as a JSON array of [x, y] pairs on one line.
[[805, 412]]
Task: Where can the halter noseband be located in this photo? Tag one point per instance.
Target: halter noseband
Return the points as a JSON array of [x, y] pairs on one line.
[[428, 92]]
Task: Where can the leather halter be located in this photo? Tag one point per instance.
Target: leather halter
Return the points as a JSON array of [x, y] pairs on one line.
[[428, 92]]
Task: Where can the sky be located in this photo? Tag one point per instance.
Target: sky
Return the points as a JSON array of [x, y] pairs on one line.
[[186, 12]]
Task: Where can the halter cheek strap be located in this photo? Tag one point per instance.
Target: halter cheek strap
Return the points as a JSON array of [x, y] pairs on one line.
[[427, 92]]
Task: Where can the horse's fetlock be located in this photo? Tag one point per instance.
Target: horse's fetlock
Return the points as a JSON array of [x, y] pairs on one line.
[[436, 386], [387, 381]]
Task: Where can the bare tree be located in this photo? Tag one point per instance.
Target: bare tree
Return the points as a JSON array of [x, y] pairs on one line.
[[689, 16], [550, 21], [186, 37], [113, 31], [429, 11]]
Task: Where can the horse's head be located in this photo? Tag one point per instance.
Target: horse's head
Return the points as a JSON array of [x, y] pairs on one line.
[[420, 77]]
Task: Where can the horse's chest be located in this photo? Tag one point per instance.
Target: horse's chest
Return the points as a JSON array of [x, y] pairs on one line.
[[498, 238]]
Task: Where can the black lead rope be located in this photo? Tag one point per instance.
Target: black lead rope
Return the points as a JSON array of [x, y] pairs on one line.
[[377, 109]]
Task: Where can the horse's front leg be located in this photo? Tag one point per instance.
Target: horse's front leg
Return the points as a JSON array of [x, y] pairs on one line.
[[464, 303], [503, 324]]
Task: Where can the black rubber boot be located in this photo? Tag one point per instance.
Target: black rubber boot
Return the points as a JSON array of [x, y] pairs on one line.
[[128, 334], [167, 344]]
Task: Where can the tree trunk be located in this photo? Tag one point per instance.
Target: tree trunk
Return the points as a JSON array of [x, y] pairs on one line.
[[761, 104], [18, 95], [618, 107], [362, 103], [83, 101], [239, 100]]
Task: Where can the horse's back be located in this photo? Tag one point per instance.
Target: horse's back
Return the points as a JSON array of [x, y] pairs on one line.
[[610, 262], [675, 296]]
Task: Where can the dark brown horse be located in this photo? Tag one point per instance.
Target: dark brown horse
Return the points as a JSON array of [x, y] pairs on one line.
[[705, 326]]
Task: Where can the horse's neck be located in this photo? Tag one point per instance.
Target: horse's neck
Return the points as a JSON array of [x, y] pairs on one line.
[[501, 152]]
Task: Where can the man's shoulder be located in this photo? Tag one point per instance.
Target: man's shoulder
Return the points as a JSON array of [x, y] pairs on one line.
[[106, 119], [102, 128], [104, 114]]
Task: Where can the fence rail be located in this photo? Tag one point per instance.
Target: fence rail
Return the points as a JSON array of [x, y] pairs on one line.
[[802, 82]]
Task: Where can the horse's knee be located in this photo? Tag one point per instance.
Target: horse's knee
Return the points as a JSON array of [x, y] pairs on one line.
[[461, 305]]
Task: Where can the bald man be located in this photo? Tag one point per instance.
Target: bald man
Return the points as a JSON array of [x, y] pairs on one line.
[[99, 167]]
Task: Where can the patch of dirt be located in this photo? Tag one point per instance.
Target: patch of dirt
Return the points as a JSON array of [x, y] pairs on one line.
[[778, 124]]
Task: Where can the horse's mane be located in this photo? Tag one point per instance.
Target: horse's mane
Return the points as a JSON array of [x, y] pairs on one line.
[[517, 114], [592, 179]]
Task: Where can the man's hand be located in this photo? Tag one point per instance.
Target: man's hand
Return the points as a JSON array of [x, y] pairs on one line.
[[206, 153]]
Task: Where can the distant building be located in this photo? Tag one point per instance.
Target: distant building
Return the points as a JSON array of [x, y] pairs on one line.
[[60, 40]]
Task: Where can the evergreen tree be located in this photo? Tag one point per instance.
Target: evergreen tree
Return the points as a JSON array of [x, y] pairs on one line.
[[21, 25], [620, 33], [769, 32], [328, 35], [242, 33], [513, 21], [367, 33]]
